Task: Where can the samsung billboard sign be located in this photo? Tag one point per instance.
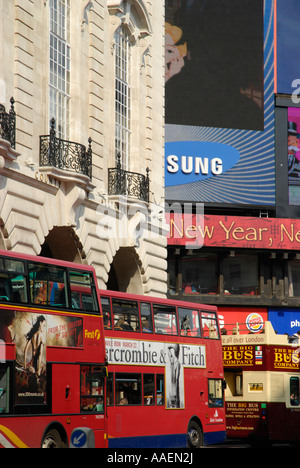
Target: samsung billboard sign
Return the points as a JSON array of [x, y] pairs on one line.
[[190, 161], [219, 102]]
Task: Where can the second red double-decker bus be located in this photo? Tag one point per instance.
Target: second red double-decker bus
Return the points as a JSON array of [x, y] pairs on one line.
[[165, 372]]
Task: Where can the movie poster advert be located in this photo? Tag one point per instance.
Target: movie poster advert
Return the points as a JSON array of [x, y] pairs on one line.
[[65, 331], [31, 334], [173, 357], [30, 337]]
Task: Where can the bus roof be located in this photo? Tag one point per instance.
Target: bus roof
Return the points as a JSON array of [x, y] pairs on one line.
[[49, 261], [160, 300]]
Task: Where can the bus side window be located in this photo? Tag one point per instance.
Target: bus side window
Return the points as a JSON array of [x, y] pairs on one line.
[[146, 316], [160, 390], [13, 282], [126, 315], [106, 309], [110, 389], [4, 388], [165, 319], [294, 391], [189, 322], [128, 389], [149, 389], [47, 285]]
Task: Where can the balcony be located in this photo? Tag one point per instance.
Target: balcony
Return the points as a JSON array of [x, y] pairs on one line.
[[8, 124], [128, 184], [64, 154]]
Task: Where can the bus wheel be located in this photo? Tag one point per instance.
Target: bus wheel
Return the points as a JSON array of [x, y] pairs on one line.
[[195, 436], [53, 440]]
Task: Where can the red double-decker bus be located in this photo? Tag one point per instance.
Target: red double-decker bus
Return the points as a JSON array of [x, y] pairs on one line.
[[165, 372], [52, 352]]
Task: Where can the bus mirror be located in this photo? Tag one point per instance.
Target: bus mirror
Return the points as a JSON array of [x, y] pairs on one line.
[[104, 372], [224, 384]]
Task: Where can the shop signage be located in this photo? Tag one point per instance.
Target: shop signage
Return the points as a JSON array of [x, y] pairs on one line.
[[233, 232]]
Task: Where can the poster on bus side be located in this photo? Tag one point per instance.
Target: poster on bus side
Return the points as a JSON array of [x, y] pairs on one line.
[[173, 357], [30, 336]]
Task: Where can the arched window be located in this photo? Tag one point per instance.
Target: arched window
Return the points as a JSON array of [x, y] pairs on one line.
[[131, 26], [59, 86]]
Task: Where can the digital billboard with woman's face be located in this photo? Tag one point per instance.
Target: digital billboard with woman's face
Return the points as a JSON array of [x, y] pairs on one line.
[[219, 88]]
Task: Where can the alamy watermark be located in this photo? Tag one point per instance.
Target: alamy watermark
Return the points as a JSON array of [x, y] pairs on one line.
[[296, 93], [136, 222]]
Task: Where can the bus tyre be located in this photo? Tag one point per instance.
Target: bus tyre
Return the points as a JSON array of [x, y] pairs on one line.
[[53, 440], [195, 436]]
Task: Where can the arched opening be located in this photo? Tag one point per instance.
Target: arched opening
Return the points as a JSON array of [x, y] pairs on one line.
[[125, 274], [62, 244]]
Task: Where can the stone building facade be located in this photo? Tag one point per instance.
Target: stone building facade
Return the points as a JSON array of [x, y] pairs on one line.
[[82, 164]]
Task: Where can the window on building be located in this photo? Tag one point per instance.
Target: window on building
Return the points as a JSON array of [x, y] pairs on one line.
[[294, 278], [59, 86], [241, 275], [200, 274], [122, 96]]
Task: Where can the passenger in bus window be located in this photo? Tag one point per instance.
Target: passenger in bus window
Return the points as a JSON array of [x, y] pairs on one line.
[[145, 326]]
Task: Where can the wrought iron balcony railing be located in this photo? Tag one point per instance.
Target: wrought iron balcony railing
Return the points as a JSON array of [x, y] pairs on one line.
[[130, 184], [64, 154], [8, 124]]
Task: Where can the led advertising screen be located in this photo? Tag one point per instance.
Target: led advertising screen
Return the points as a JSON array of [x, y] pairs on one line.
[[220, 101], [288, 53], [294, 155]]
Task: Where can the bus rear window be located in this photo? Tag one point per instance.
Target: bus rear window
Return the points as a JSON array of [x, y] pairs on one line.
[[106, 310], [209, 325], [83, 292]]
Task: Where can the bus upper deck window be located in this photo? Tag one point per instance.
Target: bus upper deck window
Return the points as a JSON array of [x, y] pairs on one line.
[[146, 317], [106, 309], [83, 294], [47, 285], [209, 325], [126, 315], [12, 281], [189, 322], [165, 319]]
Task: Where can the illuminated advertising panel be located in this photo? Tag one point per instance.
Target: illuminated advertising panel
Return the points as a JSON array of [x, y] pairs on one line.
[[220, 101], [294, 155], [288, 37], [233, 232]]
